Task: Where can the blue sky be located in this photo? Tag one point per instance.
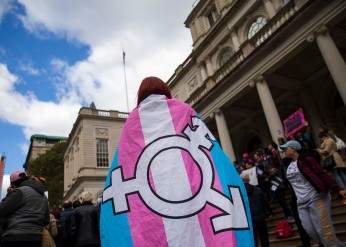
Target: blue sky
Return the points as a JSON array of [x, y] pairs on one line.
[[59, 55]]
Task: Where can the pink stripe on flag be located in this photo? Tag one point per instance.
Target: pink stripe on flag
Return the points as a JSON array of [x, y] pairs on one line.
[[179, 115], [147, 228]]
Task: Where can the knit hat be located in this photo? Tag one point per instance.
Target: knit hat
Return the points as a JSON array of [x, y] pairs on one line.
[[16, 175]]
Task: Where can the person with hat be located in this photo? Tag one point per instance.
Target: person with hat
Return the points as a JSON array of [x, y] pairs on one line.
[[311, 186], [25, 211], [257, 208]]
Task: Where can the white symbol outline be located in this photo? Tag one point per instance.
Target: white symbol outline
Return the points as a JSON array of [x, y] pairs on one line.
[[216, 199]]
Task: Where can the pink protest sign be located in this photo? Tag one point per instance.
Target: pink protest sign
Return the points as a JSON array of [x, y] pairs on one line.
[[294, 122]]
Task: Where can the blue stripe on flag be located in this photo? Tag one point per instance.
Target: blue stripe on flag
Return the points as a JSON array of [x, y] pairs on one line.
[[229, 176], [115, 230]]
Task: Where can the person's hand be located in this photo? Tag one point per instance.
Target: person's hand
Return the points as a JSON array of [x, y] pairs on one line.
[[343, 193]]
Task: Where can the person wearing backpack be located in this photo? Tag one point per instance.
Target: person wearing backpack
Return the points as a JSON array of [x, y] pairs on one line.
[[311, 186], [258, 216]]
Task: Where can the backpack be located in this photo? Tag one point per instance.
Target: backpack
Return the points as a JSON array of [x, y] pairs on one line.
[[283, 230]]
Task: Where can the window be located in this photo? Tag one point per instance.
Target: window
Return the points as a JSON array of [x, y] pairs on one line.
[[226, 55], [256, 26], [212, 16], [102, 152]]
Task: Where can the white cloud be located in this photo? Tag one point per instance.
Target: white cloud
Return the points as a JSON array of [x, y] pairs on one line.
[[151, 32], [33, 115], [24, 147], [5, 184], [28, 67], [4, 8]]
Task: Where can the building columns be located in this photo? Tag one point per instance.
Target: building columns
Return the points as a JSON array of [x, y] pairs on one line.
[[269, 108], [202, 70], [224, 135], [269, 7], [235, 39], [209, 67], [331, 55]]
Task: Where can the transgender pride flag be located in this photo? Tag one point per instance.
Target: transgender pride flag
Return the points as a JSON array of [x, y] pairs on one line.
[[170, 184]]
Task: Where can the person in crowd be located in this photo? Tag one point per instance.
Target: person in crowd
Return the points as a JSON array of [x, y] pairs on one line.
[[246, 156], [49, 232], [259, 162], [304, 236], [311, 186], [262, 182], [244, 159], [258, 215], [277, 186], [76, 204], [85, 222], [68, 230], [237, 166], [68, 210], [59, 225], [292, 138], [157, 118], [281, 141], [25, 210], [324, 128], [328, 147], [273, 148]]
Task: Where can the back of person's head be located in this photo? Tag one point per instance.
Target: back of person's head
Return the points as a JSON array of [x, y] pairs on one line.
[[17, 177], [275, 146], [67, 204], [281, 141], [87, 196], [57, 214], [323, 128], [152, 85], [322, 134], [76, 204], [267, 151], [245, 178]]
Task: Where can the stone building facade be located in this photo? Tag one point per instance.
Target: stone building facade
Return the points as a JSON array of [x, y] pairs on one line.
[[255, 62], [89, 151], [40, 144]]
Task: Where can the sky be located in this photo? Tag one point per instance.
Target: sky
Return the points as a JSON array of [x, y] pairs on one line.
[[57, 56]]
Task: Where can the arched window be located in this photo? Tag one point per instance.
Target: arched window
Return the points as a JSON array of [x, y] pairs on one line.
[[255, 26], [226, 55]]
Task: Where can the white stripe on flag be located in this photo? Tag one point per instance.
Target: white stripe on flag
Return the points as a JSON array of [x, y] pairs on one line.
[[169, 174]]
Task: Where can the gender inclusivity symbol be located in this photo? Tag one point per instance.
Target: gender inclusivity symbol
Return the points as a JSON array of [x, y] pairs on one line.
[[195, 141]]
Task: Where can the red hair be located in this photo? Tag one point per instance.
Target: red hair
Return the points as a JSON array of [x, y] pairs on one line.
[[152, 85]]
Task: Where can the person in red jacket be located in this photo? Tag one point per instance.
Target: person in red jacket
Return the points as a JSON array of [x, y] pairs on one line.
[[311, 186]]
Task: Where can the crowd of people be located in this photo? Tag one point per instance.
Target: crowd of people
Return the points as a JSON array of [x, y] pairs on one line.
[[295, 168], [27, 219]]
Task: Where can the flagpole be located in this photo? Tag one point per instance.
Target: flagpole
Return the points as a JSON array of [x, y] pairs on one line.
[[127, 99]]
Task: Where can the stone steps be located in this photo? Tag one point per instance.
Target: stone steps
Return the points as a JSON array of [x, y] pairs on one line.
[[338, 212]]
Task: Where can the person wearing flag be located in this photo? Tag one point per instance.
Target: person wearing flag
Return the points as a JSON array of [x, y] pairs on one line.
[[170, 183]]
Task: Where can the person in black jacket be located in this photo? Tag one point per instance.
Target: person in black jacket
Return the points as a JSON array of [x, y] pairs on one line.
[[258, 216], [25, 212], [85, 223]]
